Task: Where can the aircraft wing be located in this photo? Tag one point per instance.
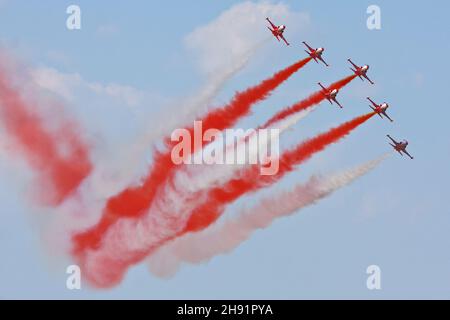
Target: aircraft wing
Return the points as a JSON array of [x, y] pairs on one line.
[[282, 37], [354, 65], [337, 102], [321, 59], [385, 114], [392, 139], [309, 48], [271, 24], [374, 104], [365, 76], [406, 152]]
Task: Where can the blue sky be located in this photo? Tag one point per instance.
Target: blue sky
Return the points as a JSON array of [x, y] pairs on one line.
[[396, 217]]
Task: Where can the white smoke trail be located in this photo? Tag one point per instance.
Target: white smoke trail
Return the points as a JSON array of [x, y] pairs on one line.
[[117, 173], [113, 174], [134, 239], [131, 240], [223, 238], [197, 178]]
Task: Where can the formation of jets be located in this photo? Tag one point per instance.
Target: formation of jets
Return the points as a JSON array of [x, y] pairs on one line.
[[330, 94]]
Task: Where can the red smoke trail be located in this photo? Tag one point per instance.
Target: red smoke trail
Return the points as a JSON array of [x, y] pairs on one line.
[[251, 180], [131, 202], [104, 266], [228, 115], [59, 157], [313, 99], [134, 201]]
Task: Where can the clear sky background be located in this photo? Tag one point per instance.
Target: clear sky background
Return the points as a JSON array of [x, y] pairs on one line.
[[397, 217]]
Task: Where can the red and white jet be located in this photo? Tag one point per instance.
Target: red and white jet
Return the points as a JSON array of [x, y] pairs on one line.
[[380, 109], [400, 146], [315, 53], [330, 95], [277, 31], [360, 71]]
